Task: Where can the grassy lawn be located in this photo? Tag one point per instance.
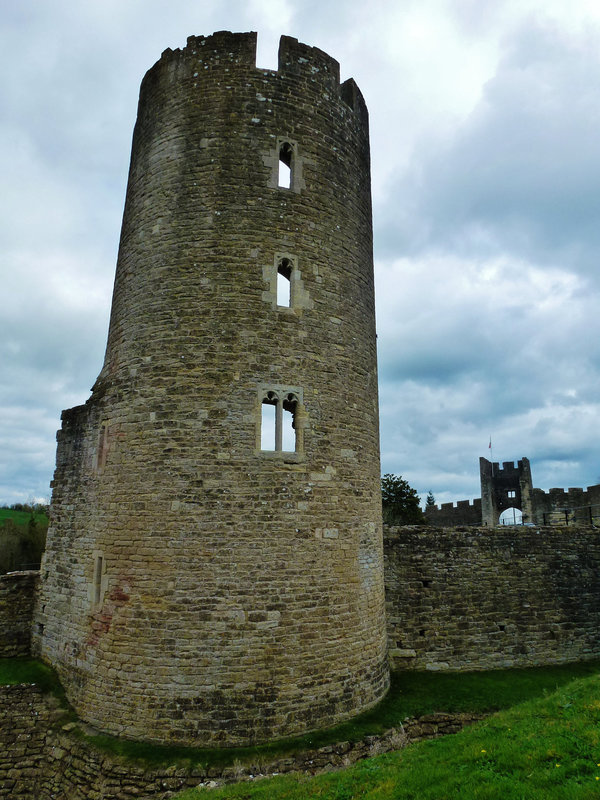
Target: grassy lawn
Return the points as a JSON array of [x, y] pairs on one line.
[[547, 748]]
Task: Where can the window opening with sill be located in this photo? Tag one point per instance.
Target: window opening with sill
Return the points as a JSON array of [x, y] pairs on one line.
[[286, 157], [284, 283], [282, 421]]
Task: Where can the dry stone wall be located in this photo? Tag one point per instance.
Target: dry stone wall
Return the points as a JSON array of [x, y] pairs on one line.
[[25, 719], [199, 586], [481, 598], [17, 591]]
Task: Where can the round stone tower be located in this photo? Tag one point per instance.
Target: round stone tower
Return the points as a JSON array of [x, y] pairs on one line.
[[214, 567]]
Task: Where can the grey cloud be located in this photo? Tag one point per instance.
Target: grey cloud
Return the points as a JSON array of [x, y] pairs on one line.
[[521, 173]]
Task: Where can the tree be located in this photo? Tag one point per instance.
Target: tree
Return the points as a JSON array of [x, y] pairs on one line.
[[401, 504], [430, 502]]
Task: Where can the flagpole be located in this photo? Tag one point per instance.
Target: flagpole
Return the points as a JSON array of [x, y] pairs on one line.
[[491, 454]]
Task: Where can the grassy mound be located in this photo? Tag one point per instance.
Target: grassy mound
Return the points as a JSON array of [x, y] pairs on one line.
[[543, 749]]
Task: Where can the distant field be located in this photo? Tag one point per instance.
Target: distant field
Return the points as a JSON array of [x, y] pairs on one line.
[[21, 544], [21, 517]]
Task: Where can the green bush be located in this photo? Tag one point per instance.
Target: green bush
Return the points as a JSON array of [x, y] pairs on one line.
[[401, 504]]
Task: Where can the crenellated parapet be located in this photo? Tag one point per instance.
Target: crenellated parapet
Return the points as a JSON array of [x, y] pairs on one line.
[[226, 53], [463, 512], [505, 487], [573, 506], [510, 486]]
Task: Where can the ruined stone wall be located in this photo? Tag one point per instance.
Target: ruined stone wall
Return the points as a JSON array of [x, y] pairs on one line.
[[487, 598], [464, 512], [198, 588], [504, 487], [17, 590], [573, 506]]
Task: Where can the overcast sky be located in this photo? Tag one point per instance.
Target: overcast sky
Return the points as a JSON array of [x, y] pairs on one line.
[[485, 137]]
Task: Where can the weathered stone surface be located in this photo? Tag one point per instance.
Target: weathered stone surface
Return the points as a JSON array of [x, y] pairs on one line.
[[42, 762], [16, 607], [196, 588], [484, 598], [25, 720], [504, 487]]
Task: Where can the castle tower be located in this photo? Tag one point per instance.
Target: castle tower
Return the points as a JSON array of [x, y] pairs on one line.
[[214, 573], [505, 487]]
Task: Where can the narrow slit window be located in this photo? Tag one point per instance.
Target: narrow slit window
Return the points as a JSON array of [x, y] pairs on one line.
[[284, 283], [98, 580], [286, 153], [102, 446]]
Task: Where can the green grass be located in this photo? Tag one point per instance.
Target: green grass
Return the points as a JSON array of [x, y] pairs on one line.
[[21, 544], [28, 670], [542, 749]]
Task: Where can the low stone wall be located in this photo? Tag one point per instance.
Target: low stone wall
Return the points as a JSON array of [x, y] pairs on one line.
[[17, 591], [344, 754], [483, 598], [24, 722], [42, 759]]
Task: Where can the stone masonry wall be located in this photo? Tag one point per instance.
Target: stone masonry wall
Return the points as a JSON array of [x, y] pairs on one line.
[[25, 718], [573, 506], [17, 590], [487, 598], [200, 586], [41, 758], [464, 512]]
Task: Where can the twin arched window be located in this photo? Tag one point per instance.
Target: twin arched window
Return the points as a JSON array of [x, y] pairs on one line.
[[278, 421]]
